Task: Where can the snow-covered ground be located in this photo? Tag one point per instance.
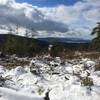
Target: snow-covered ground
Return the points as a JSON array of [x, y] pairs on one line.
[[51, 80]]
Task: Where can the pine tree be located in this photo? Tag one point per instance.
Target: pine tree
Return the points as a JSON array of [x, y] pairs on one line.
[[96, 31], [96, 41]]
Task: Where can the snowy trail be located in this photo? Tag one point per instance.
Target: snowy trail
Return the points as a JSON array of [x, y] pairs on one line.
[[8, 94]]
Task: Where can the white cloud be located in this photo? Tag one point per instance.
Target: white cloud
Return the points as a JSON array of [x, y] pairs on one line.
[[52, 21], [93, 15], [27, 16], [80, 15], [61, 13], [4, 2]]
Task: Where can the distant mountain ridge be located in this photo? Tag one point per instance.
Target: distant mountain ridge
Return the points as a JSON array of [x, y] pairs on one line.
[[65, 40]]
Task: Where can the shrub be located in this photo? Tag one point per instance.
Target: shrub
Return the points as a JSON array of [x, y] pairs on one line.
[[87, 81], [97, 67]]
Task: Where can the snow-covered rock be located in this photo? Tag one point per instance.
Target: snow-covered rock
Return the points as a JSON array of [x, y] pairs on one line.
[[27, 79], [2, 70], [90, 64], [78, 68], [63, 81], [19, 70]]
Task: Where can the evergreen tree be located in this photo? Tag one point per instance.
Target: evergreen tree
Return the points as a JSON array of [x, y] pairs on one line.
[[27, 33], [96, 41], [17, 29], [10, 30], [96, 31]]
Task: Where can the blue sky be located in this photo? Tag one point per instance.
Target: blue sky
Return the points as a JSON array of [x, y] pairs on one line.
[[49, 2]]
